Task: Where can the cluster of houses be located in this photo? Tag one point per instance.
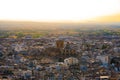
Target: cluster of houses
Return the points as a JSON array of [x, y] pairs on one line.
[[60, 58]]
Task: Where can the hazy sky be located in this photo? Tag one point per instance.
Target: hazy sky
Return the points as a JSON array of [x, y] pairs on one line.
[[57, 10]]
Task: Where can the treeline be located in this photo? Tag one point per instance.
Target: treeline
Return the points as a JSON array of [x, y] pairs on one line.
[[21, 34], [41, 33], [104, 32]]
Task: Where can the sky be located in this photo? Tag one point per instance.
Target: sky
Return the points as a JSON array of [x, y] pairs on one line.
[[59, 10]]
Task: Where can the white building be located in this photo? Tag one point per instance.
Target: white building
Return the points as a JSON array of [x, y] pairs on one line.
[[103, 58], [19, 47], [71, 61]]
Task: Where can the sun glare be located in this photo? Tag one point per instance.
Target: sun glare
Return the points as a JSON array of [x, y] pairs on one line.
[[56, 10]]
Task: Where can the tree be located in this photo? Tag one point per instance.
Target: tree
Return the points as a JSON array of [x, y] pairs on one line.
[[20, 34]]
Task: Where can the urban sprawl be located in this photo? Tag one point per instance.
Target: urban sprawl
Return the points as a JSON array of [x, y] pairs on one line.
[[60, 58]]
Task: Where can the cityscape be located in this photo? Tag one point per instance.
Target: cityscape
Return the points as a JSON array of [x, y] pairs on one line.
[[59, 39], [65, 56]]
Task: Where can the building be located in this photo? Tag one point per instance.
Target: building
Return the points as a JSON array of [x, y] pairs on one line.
[[71, 61], [60, 44]]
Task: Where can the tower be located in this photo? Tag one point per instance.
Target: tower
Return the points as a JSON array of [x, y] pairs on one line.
[[60, 44]]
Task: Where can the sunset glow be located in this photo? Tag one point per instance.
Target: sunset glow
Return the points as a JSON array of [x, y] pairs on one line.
[[57, 10]]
